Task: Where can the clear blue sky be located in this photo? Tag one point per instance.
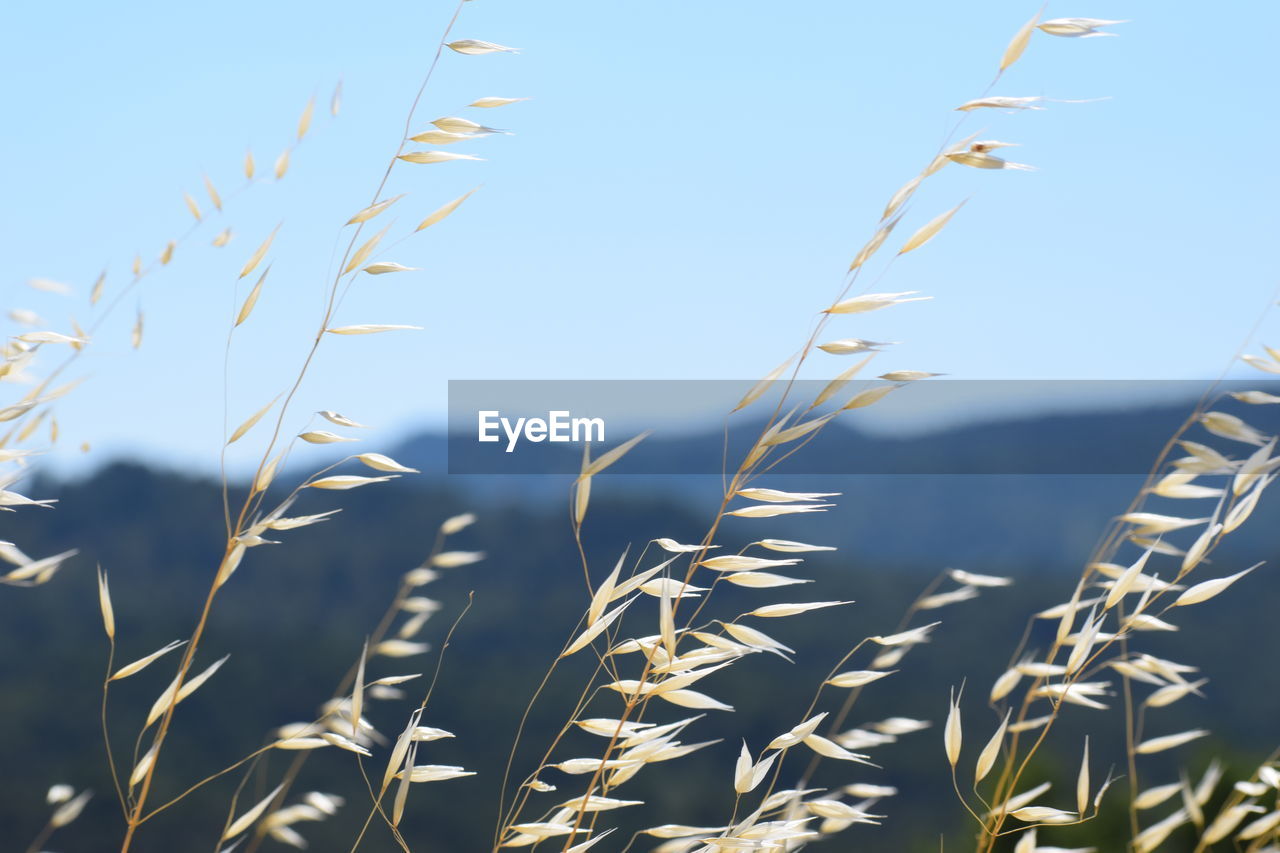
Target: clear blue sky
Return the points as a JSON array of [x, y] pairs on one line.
[[678, 200]]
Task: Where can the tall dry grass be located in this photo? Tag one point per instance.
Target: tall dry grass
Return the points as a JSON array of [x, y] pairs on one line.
[[651, 623]]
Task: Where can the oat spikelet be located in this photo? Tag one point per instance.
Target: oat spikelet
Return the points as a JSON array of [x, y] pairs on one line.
[[858, 678], [249, 424], [357, 692], [304, 121], [1077, 27], [873, 245], [267, 474], [379, 462], [246, 820], [143, 766], [259, 254], [874, 302], [165, 699], [953, 732], [230, 563], [775, 611], [595, 629], [340, 420], [373, 210], [757, 390], [214, 198], [1208, 589], [581, 499], [489, 103], [435, 157], [347, 481], [143, 662], [840, 381], [475, 47], [366, 249], [666, 623], [69, 810], [384, 267], [402, 790], [868, 396], [323, 436], [611, 456], [443, 211], [457, 523], [444, 137], [990, 752], [929, 231], [400, 749], [1018, 44], [370, 329], [104, 604], [604, 593], [1082, 781], [1160, 744], [252, 299]]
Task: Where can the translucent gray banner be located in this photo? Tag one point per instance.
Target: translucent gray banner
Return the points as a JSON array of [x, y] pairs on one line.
[[933, 426]]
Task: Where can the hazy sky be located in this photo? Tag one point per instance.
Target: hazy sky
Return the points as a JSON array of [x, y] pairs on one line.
[[679, 198]]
